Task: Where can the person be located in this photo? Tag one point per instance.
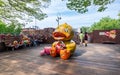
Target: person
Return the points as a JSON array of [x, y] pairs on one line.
[[86, 38], [81, 35]]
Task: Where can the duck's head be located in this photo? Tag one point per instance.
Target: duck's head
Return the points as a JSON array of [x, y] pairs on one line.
[[63, 32]]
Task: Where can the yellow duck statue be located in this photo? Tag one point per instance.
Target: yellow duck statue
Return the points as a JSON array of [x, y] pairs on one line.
[[64, 46]]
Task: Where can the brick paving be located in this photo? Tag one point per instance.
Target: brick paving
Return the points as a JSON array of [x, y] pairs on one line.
[[96, 59]]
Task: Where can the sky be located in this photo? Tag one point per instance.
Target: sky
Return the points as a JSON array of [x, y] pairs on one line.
[[76, 20]]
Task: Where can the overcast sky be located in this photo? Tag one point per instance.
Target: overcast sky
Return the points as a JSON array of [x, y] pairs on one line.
[[76, 20]]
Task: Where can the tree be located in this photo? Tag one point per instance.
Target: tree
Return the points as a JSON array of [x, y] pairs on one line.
[[106, 23], [81, 6], [2, 27], [119, 15], [12, 28], [85, 29], [13, 9], [18, 29]]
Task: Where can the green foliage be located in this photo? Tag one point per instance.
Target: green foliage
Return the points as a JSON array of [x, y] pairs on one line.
[[85, 29], [13, 28], [2, 27], [119, 16], [106, 23], [81, 6], [18, 29], [14, 9]]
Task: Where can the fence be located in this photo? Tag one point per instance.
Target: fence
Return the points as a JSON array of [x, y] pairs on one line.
[[105, 36]]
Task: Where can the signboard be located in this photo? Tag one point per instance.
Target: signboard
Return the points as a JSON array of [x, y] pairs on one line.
[[110, 34]]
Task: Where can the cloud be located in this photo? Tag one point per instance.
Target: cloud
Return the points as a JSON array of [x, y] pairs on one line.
[[73, 18]]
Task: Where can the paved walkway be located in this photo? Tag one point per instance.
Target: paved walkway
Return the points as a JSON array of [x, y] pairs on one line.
[[96, 59]]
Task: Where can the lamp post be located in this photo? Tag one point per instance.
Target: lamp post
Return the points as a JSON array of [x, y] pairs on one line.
[[58, 19]]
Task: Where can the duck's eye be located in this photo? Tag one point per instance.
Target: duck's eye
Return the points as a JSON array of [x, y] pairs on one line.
[[66, 30]]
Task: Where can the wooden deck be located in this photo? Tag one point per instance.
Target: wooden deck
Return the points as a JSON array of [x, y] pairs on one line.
[[96, 59]]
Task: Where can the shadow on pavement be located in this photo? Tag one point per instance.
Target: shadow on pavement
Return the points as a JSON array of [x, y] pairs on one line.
[[78, 53]]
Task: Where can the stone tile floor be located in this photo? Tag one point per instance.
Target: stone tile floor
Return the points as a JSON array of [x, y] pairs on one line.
[[96, 59]]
